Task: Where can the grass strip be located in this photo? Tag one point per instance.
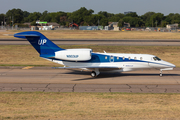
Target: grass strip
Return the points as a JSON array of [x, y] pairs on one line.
[[39, 105], [80, 34]]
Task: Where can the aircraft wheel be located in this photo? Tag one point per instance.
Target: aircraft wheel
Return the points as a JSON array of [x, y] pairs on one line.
[[93, 74], [160, 73]]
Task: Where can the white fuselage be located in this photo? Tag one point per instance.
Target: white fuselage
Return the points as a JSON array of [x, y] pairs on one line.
[[127, 62]]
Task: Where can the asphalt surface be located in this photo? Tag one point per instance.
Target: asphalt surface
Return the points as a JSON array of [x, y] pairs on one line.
[[98, 41], [58, 80]]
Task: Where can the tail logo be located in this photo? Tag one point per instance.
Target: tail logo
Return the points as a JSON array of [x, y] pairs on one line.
[[42, 41]]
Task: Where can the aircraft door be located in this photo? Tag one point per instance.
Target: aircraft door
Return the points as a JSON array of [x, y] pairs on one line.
[[111, 59]]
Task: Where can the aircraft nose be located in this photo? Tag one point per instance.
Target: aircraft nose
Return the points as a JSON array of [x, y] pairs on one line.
[[172, 65]]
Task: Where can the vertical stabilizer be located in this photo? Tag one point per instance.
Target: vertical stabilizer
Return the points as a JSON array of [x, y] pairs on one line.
[[43, 45]]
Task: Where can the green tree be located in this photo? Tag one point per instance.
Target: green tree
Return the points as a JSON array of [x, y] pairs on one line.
[[116, 17], [53, 17], [104, 21], [47, 18], [83, 16], [156, 19], [120, 15], [92, 19], [121, 23], [164, 23], [33, 23], [62, 18], [146, 18], [88, 20], [169, 17], [104, 13], [34, 16], [110, 17], [44, 15], [134, 14], [15, 15], [172, 18], [2, 18], [25, 16], [134, 21], [175, 18], [79, 15]]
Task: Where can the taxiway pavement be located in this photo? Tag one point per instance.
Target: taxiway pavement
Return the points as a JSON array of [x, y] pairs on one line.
[[58, 80]]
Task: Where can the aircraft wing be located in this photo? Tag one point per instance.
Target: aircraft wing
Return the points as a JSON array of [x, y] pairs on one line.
[[101, 68]]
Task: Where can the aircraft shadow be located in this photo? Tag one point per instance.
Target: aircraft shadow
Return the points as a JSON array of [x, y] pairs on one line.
[[114, 74]]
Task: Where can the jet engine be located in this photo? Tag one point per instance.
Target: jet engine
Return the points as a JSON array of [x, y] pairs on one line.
[[74, 54]]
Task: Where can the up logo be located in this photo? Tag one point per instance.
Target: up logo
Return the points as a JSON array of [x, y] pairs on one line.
[[42, 41]]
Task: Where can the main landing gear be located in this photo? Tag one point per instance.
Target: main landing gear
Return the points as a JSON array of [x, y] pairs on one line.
[[95, 73]]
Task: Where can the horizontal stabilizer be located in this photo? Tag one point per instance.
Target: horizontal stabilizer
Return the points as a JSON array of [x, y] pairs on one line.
[[16, 35], [26, 34]]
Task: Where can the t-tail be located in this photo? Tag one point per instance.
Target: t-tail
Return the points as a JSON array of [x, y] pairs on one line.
[[43, 45]]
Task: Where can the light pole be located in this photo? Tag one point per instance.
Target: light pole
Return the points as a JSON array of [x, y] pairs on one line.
[[156, 23], [2, 25], [12, 22]]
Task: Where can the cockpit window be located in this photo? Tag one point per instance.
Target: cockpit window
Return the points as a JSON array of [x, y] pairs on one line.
[[156, 59]]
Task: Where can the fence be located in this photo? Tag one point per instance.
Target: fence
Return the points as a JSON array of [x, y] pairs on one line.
[[13, 28], [155, 29]]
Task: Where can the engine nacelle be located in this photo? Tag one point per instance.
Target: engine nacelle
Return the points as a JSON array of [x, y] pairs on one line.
[[74, 54]]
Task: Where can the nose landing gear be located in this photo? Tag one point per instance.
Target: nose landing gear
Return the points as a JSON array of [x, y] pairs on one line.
[[164, 69], [160, 73]]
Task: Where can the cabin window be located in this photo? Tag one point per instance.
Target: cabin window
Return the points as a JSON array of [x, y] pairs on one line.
[[141, 58], [129, 58], [106, 57], [156, 59], [135, 58]]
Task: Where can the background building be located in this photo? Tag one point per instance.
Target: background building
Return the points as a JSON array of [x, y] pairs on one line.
[[171, 26]]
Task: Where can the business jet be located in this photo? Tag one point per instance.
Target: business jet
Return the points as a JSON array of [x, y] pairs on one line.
[[86, 59]]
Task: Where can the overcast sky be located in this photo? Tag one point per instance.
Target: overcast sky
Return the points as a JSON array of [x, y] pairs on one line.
[[111, 6]]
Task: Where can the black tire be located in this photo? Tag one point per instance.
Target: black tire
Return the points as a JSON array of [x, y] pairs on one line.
[[93, 74]]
